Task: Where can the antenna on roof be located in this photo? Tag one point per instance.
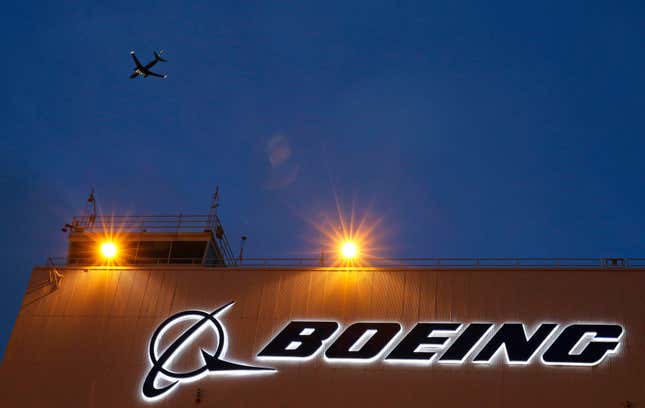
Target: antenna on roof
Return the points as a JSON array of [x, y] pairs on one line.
[[215, 225], [242, 241], [77, 225], [215, 202], [91, 209], [212, 213]]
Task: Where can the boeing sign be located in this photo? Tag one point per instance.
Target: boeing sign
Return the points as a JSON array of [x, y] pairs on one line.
[[424, 344]]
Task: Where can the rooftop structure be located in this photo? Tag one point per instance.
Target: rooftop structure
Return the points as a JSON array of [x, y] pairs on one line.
[[147, 239], [158, 312]]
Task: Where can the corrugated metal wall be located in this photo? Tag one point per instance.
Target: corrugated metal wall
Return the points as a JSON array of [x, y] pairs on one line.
[[86, 343]]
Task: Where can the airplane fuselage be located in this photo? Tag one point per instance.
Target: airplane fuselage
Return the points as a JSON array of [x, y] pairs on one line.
[[144, 70]]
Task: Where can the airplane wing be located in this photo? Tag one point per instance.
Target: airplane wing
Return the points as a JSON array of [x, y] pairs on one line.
[[157, 75], [136, 60], [151, 64]]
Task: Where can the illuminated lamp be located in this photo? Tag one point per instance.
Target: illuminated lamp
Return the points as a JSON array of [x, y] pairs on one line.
[[108, 250], [349, 250]]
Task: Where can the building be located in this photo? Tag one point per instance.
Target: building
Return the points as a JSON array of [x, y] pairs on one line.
[[171, 318]]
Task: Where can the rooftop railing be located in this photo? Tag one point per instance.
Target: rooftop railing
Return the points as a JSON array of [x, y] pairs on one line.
[[145, 223], [437, 263]]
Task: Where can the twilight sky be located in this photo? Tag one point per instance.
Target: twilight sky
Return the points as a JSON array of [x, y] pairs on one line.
[[469, 128]]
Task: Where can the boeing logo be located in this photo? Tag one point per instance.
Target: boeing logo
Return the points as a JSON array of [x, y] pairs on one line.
[[424, 344], [213, 362]]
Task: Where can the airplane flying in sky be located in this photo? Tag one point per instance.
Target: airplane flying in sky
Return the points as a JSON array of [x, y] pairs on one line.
[[145, 69]]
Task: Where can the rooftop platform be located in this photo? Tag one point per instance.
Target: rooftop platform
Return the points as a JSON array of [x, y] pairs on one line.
[[145, 240], [390, 263]]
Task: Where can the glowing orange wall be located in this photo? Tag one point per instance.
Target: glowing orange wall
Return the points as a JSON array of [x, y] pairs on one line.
[[86, 343]]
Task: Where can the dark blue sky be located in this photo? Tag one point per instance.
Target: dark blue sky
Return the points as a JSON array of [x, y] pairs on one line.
[[470, 128]]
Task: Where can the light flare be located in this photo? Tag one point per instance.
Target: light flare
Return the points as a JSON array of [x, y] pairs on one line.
[[109, 250], [349, 250], [106, 243], [349, 241]]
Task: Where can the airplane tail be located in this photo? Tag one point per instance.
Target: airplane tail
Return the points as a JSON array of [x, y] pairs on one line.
[[158, 56]]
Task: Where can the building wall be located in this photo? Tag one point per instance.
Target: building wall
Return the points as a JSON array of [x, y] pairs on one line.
[[86, 344]]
